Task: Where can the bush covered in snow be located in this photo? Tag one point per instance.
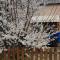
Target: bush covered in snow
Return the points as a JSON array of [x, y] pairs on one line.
[[16, 29]]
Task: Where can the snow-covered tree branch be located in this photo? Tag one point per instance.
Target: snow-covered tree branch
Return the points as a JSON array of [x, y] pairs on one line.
[[16, 28]]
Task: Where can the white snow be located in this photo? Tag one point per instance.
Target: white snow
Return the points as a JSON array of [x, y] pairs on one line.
[[44, 19], [33, 38]]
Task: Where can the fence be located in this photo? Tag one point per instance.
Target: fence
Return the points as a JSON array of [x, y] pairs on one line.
[[31, 54]]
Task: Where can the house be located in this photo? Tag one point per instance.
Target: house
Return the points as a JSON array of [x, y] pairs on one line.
[[49, 13]]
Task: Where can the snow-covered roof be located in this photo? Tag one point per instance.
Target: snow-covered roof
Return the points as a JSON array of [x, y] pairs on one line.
[[49, 13], [51, 18]]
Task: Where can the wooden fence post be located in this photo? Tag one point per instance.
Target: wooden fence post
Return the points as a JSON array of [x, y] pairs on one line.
[[32, 54], [27, 54], [8, 53], [18, 54], [22, 54], [50, 53], [45, 54], [59, 55], [0, 57], [55, 53], [13, 53], [4, 55], [36, 54], [41, 54]]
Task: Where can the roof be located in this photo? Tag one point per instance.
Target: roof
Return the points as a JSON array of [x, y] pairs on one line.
[[48, 13]]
